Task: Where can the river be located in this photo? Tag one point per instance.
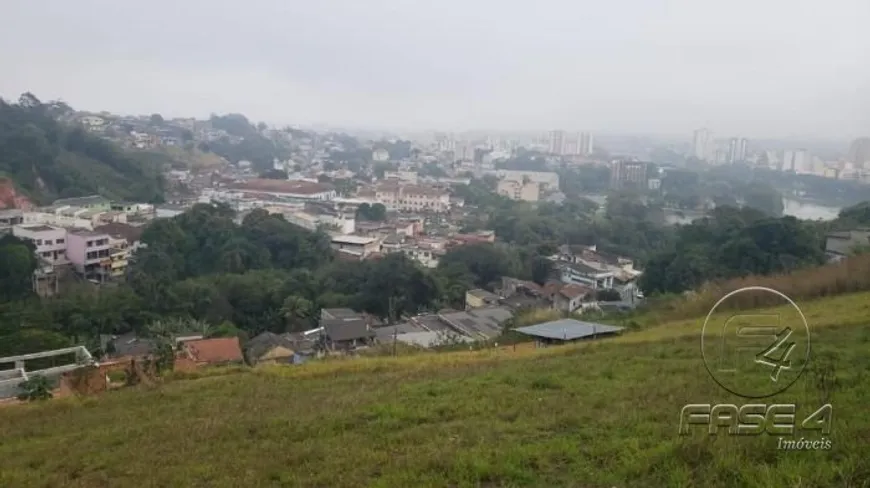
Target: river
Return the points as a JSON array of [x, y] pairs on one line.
[[809, 211], [795, 208]]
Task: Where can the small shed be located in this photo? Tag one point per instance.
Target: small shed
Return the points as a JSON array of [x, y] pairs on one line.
[[567, 330]]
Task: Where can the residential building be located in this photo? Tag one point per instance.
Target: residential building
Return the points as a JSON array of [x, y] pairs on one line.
[[839, 245], [270, 348], [547, 180], [201, 352], [628, 174], [479, 237], [737, 150], [523, 190], [798, 161], [131, 235], [403, 176], [10, 218], [298, 190], [703, 145], [69, 217], [427, 256], [380, 155], [119, 257], [356, 245], [569, 297], [344, 335], [92, 202], [479, 298], [413, 198], [50, 241], [557, 142], [90, 252], [586, 144], [585, 274]]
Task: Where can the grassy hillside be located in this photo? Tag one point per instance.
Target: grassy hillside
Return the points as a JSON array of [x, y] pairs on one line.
[[594, 415], [181, 158]]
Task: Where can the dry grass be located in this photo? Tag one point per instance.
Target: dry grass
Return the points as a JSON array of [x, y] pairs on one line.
[[598, 414], [852, 275]]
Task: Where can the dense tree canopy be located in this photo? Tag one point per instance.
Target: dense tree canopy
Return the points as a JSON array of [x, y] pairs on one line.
[[48, 159], [732, 243]]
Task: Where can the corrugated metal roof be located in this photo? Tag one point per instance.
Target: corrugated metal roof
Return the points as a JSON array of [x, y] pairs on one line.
[[568, 329]]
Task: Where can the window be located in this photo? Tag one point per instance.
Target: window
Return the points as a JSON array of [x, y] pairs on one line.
[[90, 244], [48, 242], [46, 254], [59, 241], [38, 242]]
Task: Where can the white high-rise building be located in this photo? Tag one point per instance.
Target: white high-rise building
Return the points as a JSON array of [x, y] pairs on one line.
[[737, 150], [703, 146], [557, 141], [798, 160], [570, 144], [586, 143]]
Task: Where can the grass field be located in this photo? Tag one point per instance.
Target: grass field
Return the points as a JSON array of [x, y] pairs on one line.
[[599, 414]]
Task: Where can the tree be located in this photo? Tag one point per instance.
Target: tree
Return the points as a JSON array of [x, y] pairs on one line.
[[156, 119], [486, 262], [17, 264], [298, 312], [375, 213]]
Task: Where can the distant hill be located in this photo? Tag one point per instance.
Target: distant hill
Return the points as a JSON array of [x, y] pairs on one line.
[[47, 159]]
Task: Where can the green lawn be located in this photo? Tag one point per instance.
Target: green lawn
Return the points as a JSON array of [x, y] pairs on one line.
[[595, 415]]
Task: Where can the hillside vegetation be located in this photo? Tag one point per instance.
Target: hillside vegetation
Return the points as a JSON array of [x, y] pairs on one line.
[[593, 415], [47, 159]]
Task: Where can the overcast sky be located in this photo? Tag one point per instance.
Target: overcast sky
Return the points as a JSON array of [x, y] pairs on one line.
[[740, 67]]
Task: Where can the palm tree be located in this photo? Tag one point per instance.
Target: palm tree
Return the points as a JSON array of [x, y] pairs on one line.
[[296, 310]]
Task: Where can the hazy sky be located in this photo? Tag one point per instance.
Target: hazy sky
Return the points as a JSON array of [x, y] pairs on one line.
[[739, 67]]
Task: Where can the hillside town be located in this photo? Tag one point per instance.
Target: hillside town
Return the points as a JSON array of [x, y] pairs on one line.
[[371, 199]]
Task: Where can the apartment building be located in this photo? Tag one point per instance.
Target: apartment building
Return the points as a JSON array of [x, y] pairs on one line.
[[413, 198], [10, 218], [526, 191], [358, 246], [548, 180], [90, 252], [406, 176], [50, 241]]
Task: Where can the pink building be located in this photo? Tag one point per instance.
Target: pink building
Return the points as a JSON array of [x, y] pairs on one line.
[[89, 252]]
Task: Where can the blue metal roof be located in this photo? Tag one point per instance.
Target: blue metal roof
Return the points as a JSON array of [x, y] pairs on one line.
[[568, 329]]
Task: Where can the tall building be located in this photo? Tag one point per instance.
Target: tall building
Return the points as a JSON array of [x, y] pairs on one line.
[[586, 144], [570, 144], [703, 146], [798, 161], [628, 174], [737, 150], [557, 141]]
